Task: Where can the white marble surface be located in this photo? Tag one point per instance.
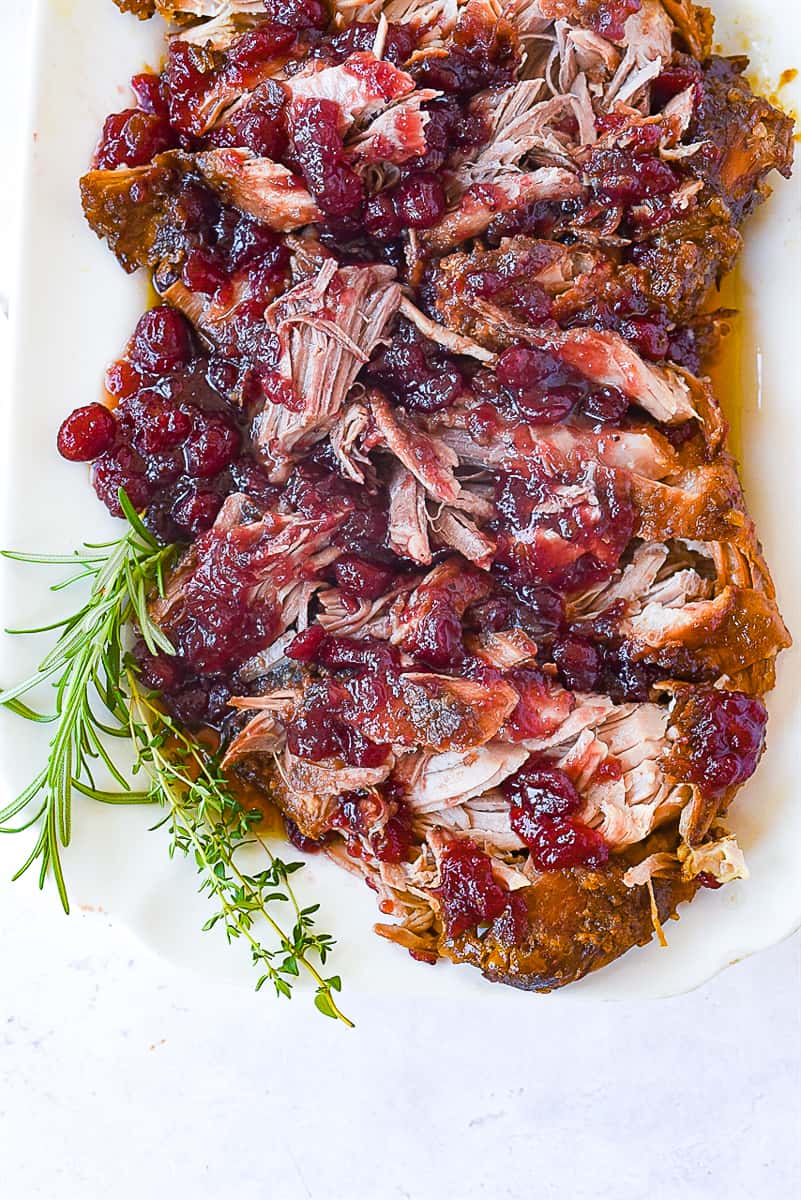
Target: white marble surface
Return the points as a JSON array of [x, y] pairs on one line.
[[119, 1075]]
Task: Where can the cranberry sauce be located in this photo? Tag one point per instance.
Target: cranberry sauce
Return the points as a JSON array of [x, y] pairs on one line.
[[509, 280], [195, 76], [721, 736], [608, 17], [416, 373], [225, 614], [181, 109], [316, 491], [483, 53], [171, 441], [176, 434], [317, 153], [470, 896], [564, 534], [399, 46], [543, 803], [537, 387], [259, 124], [327, 726], [381, 826], [593, 657]]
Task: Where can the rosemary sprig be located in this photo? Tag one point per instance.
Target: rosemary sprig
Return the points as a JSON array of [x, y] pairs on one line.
[[85, 666], [90, 667]]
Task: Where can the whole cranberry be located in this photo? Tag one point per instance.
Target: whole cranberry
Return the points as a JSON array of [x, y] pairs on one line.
[[161, 428], [542, 388], [86, 433], [211, 448], [195, 510], [521, 367], [420, 200], [222, 375], [651, 338], [256, 47], [726, 738], [605, 404], [161, 341], [121, 468], [163, 469], [468, 891], [546, 408], [535, 303], [260, 126]]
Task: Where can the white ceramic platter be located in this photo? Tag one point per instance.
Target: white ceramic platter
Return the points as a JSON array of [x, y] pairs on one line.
[[74, 311]]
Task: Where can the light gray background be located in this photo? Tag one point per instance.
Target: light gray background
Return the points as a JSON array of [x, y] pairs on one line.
[[120, 1076]]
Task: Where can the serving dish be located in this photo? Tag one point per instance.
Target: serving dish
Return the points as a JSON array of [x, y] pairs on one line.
[[771, 239]]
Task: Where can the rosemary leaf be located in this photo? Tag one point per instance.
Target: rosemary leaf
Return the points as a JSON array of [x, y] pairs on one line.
[[88, 666]]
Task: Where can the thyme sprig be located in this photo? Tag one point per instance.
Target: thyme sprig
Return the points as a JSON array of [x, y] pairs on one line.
[[91, 669], [210, 825]]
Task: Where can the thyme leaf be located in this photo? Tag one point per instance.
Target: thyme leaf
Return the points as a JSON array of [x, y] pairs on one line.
[[90, 669]]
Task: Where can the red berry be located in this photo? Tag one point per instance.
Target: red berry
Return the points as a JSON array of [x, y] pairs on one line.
[[380, 218], [161, 341], [211, 448], [121, 469], [86, 433], [579, 663], [196, 510], [420, 200], [605, 404], [160, 427]]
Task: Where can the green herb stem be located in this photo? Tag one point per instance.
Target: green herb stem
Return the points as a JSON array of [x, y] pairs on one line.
[[90, 668]]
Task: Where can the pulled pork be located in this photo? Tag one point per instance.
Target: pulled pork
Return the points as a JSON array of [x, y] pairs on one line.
[[470, 590]]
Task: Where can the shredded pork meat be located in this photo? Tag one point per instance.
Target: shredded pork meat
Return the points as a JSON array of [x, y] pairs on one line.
[[476, 583], [327, 327]]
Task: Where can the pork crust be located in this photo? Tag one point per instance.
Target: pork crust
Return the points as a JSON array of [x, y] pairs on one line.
[[579, 921]]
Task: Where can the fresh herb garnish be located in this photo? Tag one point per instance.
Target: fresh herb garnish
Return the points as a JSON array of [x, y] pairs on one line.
[[91, 669]]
